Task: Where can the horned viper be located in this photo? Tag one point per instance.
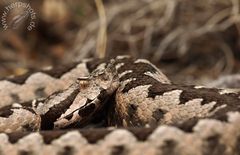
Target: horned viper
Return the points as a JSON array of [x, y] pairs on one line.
[[139, 109]]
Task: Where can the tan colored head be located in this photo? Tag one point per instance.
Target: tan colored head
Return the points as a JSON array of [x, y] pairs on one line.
[[104, 77], [94, 91]]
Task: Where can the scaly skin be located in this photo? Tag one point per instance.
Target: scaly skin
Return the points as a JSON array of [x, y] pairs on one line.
[[130, 93]]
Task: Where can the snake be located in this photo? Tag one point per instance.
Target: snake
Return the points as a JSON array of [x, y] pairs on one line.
[[115, 106]]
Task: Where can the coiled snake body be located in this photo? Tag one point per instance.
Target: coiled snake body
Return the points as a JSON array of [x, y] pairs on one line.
[[41, 112]]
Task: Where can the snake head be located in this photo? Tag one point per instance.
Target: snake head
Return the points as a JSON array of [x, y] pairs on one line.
[[94, 92], [102, 78]]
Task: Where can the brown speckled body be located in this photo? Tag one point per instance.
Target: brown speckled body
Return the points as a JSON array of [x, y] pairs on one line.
[[165, 118]]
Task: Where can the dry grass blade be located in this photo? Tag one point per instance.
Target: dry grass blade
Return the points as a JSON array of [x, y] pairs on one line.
[[102, 33]]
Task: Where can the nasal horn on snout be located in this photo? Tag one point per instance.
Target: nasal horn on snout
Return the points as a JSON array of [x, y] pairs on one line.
[[83, 81]]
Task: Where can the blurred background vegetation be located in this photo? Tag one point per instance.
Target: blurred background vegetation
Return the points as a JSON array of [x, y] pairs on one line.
[[190, 40]]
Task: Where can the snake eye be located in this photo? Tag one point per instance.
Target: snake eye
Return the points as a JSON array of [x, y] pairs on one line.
[[83, 81]]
